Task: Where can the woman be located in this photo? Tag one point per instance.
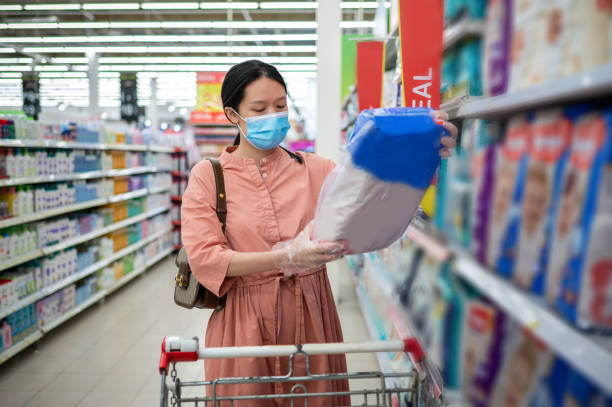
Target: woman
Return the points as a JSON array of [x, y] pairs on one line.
[[271, 198]]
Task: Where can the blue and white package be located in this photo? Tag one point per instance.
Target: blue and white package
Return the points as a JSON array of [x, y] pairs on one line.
[[371, 196], [585, 292]]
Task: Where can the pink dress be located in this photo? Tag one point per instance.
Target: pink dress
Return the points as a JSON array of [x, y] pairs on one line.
[[264, 207]]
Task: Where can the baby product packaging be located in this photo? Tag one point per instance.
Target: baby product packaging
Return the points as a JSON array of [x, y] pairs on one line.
[[478, 139], [587, 22], [524, 362], [511, 165], [371, 196], [580, 392], [497, 47], [548, 155], [483, 330], [551, 386], [524, 46], [586, 281]]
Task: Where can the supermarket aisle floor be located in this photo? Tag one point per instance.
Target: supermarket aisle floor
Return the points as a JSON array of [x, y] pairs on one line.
[[108, 355]]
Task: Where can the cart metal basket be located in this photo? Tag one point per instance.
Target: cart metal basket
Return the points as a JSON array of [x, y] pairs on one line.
[[418, 387]]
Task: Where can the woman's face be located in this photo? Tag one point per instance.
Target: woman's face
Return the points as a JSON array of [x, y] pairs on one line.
[[262, 96]]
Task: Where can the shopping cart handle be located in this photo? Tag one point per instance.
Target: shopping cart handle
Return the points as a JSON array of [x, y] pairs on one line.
[[177, 349], [413, 346]]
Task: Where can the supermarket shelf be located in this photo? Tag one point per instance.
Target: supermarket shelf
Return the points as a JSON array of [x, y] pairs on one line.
[[103, 231], [80, 275], [593, 84], [21, 345], [77, 310], [184, 174], [18, 220], [78, 176], [176, 198], [84, 146], [21, 259], [591, 355], [176, 223], [452, 107], [576, 348], [128, 195], [126, 279], [159, 190], [461, 30]]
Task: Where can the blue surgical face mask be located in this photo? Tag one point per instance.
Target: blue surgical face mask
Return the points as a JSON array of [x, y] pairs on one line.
[[267, 131]]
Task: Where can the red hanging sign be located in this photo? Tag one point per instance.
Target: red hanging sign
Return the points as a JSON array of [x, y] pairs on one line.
[[370, 68], [421, 33]]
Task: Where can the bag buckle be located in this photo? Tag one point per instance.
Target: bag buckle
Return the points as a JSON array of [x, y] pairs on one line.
[[181, 280]]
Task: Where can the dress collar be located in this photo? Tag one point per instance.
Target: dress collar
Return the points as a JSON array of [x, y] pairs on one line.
[[228, 156]]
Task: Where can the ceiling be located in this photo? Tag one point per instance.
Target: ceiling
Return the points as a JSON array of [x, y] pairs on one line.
[[170, 40]]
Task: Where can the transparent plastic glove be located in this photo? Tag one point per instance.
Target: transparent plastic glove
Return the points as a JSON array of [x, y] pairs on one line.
[[302, 254]]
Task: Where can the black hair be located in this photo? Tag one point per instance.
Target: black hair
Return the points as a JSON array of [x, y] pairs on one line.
[[242, 75]]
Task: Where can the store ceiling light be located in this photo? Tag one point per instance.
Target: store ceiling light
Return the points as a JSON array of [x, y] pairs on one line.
[[161, 38], [16, 60], [7, 50], [224, 5], [55, 6], [170, 6], [204, 49], [182, 25], [111, 6], [10, 7], [282, 5], [191, 60]]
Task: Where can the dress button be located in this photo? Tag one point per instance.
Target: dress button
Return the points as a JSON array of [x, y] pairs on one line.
[[263, 160], [264, 175]]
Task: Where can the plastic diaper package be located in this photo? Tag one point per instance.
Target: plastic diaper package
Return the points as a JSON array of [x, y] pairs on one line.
[[370, 198]]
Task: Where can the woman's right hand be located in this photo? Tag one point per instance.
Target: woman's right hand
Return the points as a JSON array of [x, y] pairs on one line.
[[302, 254]]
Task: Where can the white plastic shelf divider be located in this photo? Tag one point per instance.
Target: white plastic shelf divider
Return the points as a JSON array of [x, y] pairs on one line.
[[21, 345], [21, 259], [575, 347], [593, 84], [77, 310], [462, 29], [80, 275], [78, 176], [159, 190], [102, 231], [85, 146], [18, 220]]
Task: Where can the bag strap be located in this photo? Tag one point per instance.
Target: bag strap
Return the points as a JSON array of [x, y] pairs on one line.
[[221, 198]]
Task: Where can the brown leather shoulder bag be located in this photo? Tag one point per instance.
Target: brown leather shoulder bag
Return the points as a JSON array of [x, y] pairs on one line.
[[188, 292]]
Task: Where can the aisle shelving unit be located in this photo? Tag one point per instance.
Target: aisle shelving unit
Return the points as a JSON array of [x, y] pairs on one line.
[[591, 354], [92, 269], [593, 84]]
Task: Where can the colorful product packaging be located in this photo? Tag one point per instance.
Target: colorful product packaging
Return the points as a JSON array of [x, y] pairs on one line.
[[511, 165], [551, 385], [580, 392], [481, 351], [496, 50], [478, 140], [586, 280], [548, 155], [524, 363]]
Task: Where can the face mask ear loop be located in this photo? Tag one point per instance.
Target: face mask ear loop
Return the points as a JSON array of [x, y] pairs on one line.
[[236, 124]]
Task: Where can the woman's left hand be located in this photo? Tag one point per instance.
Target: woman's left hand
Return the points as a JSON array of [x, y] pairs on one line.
[[448, 142]]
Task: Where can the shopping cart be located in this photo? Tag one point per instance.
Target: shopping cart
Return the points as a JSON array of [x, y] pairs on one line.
[[418, 387]]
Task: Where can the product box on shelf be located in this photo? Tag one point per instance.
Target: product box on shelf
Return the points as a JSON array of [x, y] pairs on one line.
[[525, 360], [510, 170], [496, 49], [478, 141], [548, 155], [17, 326], [56, 305], [586, 276]]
